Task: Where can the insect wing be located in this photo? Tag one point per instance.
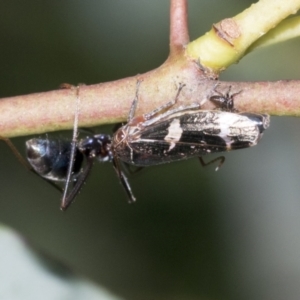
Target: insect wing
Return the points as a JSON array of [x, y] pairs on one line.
[[189, 135]]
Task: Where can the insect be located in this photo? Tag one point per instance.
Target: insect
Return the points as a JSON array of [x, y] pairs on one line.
[[224, 101], [169, 134], [69, 161], [163, 135], [59, 160]]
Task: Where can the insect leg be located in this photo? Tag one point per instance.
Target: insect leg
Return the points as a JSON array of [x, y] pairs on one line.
[[124, 181], [66, 201], [181, 109], [69, 198], [220, 158], [134, 102], [166, 106]]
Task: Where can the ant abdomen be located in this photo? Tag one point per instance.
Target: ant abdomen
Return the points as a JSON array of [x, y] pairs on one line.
[[50, 158]]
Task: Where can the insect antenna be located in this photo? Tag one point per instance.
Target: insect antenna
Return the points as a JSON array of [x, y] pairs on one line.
[[135, 101], [66, 199]]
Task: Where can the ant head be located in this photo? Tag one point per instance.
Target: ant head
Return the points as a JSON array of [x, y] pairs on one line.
[[97, 146]]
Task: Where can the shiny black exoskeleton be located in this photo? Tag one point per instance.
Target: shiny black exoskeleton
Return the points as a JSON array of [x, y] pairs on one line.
[[50, 158], [224, 101]]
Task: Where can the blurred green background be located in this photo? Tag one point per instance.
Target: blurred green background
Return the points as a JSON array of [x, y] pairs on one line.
[[194, 233]]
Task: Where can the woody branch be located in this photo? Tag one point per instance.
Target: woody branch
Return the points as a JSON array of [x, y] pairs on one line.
[[197, 64]]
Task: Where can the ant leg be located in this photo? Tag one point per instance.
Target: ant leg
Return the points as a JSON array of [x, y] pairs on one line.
[[124, 181], [69, 198], [25, 162], [220, 158]]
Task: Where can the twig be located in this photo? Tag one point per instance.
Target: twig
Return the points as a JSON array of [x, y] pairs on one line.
[[195, 64]]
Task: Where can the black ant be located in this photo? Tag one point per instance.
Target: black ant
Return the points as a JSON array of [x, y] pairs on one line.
[[58, 160], [224, 101]]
